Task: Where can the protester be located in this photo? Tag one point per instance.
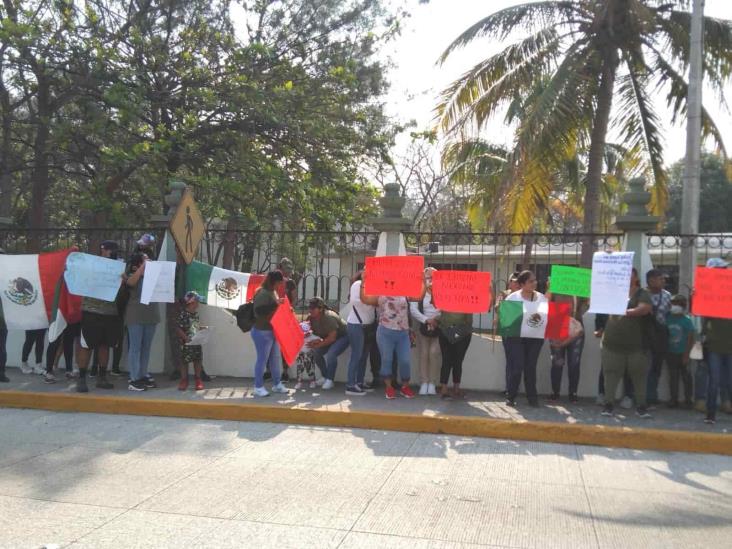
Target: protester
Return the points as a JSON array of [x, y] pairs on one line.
[[360, 326], [305, 361], [187, 327], [511, 287], [429, 354], [568, 350], [455, 332], [33, 338], [523, 352], [265, 305], [623, 348], [718, 341], [3, 343], [658, 332], [66, 341], [288, 289], [681, 336], [627, 400], [101, 327], [141, 319], [332, 331]]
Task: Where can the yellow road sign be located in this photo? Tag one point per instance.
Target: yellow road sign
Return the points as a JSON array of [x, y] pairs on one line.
[[187, 227]]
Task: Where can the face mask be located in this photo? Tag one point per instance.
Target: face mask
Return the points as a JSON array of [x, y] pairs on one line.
[[677, 309]]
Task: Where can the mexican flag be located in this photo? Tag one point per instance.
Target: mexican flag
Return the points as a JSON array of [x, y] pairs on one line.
[[28, 286], [221, 287], [541, 320], [66, 310]]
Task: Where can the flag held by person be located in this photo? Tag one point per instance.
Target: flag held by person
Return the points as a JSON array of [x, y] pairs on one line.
[[540, 320], [219, 287]]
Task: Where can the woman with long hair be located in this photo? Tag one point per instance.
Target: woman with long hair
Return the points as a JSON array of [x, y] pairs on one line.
[[266, 301]]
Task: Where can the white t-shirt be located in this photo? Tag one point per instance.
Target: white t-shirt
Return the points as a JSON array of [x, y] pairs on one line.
[[538, 297], [430, 311], [367, 312]]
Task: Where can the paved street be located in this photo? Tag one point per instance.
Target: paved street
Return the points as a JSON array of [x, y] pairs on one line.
[[96, 481]]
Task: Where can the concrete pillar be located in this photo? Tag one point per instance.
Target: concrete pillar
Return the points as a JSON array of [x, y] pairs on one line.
[[636, 223], [391, 223]]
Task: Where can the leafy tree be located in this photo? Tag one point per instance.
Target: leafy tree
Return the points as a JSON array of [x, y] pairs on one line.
[[596, 55]]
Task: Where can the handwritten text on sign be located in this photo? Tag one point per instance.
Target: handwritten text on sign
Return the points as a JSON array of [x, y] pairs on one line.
[[610, 284], [712, 293], [570, 280], [287, 331], [395, 275], [462, 291]]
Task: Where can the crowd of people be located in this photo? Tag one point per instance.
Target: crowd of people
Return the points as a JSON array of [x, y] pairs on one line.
[[655, 331]]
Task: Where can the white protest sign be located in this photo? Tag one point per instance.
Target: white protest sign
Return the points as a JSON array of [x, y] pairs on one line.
[[201, 337], [610, 282], [93, 276], [158, 283]]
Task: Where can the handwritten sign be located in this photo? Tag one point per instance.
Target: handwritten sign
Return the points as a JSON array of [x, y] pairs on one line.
[[93, 276], [610, 282], [158, 283], [395, 275], [570, 281], [462, 291], [557, 325], [287, 331], [712, 293]]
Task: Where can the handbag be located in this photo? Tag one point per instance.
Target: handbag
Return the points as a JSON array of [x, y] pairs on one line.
[[697, 351], [456, 333], [423, 328]]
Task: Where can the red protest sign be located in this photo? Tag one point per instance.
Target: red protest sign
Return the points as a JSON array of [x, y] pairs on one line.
[[287, 331], [394, 275], [462, 291], [712, 293], [557, 320], [254, 282]]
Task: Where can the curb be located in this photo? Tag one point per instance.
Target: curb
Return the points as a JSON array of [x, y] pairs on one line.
[[539, 431]]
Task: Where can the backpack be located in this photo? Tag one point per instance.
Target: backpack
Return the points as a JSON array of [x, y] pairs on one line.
[[245, 317]]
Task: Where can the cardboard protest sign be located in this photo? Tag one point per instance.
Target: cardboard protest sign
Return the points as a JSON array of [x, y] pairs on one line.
[[158, 284], [395, 275], [93, 276], [610, 283], [712, 293], [255, 281], [570, 280], [287, 331], [462, 291]]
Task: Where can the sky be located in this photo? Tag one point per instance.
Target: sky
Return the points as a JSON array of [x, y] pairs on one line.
[[417, 80]]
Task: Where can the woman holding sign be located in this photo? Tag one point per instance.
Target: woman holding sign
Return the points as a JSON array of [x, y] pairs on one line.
[[392, 335], [429, 356], [266, 301]]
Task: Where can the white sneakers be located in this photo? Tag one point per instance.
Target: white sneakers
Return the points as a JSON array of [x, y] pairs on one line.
[[49, 378], [279, 388], [320, 381], [38, 369], [328, 384], [25, 368], [427, 389], [261, 392]]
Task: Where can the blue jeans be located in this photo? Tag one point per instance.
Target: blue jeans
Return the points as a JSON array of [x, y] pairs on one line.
[[394, 340], [327, 357], [140, 338], [701, 376], [719, 380], [357, 364], [654, 373], [268, 353], [3, 351]]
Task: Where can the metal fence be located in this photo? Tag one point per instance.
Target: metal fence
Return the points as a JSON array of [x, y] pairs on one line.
[[325, 262]]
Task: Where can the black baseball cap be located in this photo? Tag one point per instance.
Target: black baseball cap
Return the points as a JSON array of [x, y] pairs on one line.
[[110, 245]]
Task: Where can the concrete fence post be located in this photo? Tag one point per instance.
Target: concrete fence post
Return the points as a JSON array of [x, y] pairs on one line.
[[636, 223]]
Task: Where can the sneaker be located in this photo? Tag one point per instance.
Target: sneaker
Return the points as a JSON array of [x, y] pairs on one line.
[[573, 398], [261, 392], [328, 384], [39, 370], [366, 388], [355, 391], [710, 419], [102, 383], [626, 403], [299, 385], [116, 372], [607, 410], [199, 384], [431, 390], [49, 378], [183, 384], [406, 391], [25, 368], [423, 389], [320, 382], [390, 393], [81, 386], [136, 386], [279, 388], [600, 400], [149, 382], [642, 412]]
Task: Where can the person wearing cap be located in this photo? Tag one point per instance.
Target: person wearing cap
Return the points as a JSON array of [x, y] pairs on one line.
[[3, 343], [680, 341], [265, 303], [658, 342], [718, 342], [331, 329], [141, 320], [101, 328], [187, 325]]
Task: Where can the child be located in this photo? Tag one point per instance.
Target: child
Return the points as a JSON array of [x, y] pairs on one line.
[[306, 359], [186, 327], [680, 341]]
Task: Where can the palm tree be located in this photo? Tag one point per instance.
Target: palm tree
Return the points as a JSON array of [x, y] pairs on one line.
[[592, 52]]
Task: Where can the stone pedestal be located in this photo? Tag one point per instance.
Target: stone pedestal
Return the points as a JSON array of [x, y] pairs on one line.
[[636, 223], [392, 222]]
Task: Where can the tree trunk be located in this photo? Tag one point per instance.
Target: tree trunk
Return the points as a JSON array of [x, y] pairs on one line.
[[596, 159], [528, 250], [40, 179]]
